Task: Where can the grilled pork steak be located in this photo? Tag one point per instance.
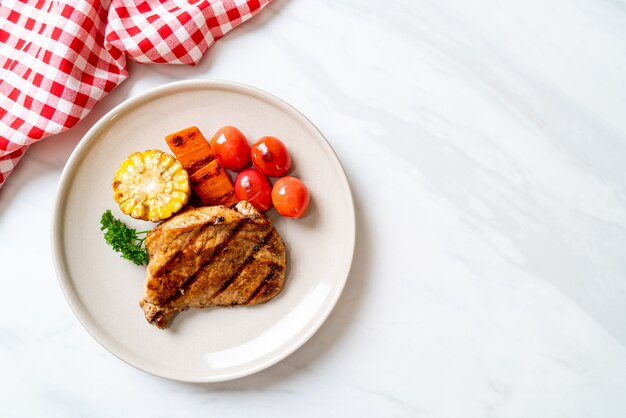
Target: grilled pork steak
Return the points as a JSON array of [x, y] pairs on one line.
[[211, 256]]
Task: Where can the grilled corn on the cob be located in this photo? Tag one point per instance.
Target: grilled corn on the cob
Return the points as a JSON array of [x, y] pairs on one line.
[[151, 185]]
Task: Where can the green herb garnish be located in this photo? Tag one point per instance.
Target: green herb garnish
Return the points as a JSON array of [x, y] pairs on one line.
[[123, 239]]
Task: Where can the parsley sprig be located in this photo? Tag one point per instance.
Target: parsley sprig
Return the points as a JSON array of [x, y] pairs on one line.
[[123, 239]]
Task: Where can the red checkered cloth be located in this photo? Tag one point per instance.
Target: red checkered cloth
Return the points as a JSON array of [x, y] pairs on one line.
[[59, 58]]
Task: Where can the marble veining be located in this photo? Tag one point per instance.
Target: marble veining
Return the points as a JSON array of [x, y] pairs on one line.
[[485, 143]]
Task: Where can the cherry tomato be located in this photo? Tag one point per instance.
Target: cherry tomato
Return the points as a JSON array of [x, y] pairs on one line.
[[270, 156], [254, 187], [290, 197], [231, 148]]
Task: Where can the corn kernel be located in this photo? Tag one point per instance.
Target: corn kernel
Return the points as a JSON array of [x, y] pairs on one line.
[[151, 185]]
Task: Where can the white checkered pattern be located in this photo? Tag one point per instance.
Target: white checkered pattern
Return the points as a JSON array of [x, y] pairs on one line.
[[58, 60]]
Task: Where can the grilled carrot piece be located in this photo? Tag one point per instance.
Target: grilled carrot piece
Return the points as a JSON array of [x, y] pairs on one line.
[[207, 177], [212, 185], [190, 148]]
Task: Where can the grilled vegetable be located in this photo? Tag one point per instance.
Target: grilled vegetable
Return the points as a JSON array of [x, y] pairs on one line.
[[290, 197], [151, 185], [190, 148], [231, 148], [208, 178], [254, 187], [270, 156], [213, 186]]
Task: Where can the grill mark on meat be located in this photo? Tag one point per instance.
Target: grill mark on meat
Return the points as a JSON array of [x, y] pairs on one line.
[[218, 249], [167, 290], [167, 265], [214, 263], [170, 263], [233, 278], [275, 268]]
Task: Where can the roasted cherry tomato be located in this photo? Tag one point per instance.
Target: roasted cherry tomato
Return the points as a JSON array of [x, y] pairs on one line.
[[290, 197], [231, 148], [270, 156], [254, 187]]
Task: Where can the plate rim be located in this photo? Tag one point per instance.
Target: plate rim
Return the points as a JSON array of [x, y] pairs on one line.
[[58, 251]]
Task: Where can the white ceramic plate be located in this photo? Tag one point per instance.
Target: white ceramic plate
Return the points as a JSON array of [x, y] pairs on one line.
[[202, 345]]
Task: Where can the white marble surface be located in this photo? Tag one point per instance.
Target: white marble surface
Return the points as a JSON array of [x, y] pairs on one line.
[[485, 143]]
